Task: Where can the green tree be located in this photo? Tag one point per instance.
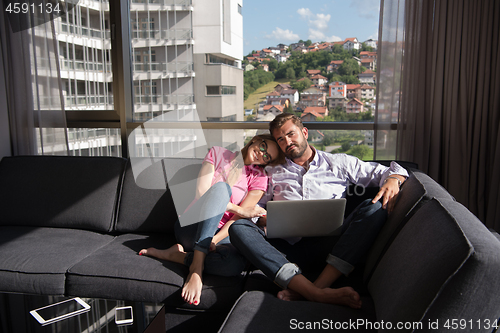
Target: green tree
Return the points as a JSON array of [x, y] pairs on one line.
[[365, 47], [290, 73], [349, 67], [301, 85], [349, 79], [359, 151], [346, 146], [255, 79], [273, 64]]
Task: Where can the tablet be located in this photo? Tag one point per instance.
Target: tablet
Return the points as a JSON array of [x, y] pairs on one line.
[[124, 315], [59, 311]]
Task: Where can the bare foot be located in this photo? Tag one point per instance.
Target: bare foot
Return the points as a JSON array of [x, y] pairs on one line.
[[191, 291], [171, 254], [342, 296], [290, 295]]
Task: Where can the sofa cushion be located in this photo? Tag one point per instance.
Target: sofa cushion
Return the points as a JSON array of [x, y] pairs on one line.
[[428, 251], [35, 260], [146, 203], [60, 191], [418, 189], [472, 293], [117, 271], [258, 311]]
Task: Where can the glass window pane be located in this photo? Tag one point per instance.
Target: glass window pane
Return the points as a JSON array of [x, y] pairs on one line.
[[84, 57], [213, 90], [94, 142]]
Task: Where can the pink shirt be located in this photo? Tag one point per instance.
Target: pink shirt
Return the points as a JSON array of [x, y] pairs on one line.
[[252, 177]]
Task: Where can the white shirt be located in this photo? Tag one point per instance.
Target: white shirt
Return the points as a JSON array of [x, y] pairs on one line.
[[327, 177]]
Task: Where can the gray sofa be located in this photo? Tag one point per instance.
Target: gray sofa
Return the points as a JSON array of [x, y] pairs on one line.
[[73, 226]]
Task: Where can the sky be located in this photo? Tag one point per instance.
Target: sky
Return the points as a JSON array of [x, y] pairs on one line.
[[270, 22]]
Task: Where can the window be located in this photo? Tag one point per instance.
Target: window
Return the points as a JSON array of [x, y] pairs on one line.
[[221, 90], [213, 90], [163, 64], [213, 59], [228, 90]]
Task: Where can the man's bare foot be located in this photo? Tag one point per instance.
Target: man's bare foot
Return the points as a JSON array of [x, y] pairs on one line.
[[173, 253], [191, 291], [342, 296], [290, 295]]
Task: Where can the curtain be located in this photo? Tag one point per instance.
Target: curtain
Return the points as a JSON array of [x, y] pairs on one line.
[[449, 115], [35, 100], [389, 76]]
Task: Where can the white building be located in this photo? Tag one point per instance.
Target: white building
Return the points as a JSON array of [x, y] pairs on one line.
[[186, 59], [372, 43], [292, 94], [351, 44]]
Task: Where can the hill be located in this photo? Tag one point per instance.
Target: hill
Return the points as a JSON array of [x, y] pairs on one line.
[[260, 94]]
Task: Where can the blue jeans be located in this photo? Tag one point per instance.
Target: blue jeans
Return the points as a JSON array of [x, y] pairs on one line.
[[209, 209], [276, 257]]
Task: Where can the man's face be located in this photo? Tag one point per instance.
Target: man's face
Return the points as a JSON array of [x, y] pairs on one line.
[[291, 139]]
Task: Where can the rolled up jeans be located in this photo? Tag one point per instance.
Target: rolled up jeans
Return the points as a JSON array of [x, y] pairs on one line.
[[281, 261], [209, 209]]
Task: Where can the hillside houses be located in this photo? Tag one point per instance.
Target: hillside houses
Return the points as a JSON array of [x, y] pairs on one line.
[[367, 77], [323, 94], [312, 113], [319, 80], [351, 44], [354, 106], [334, 65], [312, 97]]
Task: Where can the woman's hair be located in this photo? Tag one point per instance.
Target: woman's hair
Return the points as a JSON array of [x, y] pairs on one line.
[[233, 173], [280, 159], [282, 118]]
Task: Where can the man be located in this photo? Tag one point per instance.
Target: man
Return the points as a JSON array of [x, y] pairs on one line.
[[312, 174]]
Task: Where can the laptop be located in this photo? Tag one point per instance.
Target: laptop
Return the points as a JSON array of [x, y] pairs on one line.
[[305, 218]]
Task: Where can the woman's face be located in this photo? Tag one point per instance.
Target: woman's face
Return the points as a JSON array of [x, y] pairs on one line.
[[261, 152]]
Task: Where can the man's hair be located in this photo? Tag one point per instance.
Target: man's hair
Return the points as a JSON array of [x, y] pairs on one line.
[[282, 118]]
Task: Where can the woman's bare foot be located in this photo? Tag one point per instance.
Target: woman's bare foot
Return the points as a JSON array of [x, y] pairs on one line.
[[173, 253], [191, 291]]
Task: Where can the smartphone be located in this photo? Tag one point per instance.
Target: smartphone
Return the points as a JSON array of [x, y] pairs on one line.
[[58, 311], [124, 315]]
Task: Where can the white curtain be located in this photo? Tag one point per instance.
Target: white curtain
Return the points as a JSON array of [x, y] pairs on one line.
[[449, 101], [389, 76], [35, 98]]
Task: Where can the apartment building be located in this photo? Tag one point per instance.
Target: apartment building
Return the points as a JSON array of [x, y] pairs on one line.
[[186, 65]]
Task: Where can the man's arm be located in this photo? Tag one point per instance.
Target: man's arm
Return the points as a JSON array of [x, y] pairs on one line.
[[389, 179]]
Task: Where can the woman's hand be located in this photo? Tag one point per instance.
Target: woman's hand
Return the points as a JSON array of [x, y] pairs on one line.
[[249, 212]]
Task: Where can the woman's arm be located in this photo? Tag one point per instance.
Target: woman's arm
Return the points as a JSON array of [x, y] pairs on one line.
[[248, 211], [205, 177], [247, 205]]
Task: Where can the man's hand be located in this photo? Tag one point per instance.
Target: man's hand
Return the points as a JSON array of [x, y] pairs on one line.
[[389, 192], [262, 222]]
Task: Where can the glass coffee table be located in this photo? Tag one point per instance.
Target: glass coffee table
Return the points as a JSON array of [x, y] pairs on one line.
[[101, 315]]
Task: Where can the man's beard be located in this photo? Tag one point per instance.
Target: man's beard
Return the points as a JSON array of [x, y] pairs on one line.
[[302, 146]]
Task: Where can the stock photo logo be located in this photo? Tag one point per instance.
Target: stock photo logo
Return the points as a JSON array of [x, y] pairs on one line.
[[176, 169], [24, 15]]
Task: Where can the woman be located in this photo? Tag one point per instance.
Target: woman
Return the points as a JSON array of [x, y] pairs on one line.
[[228, 188]]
